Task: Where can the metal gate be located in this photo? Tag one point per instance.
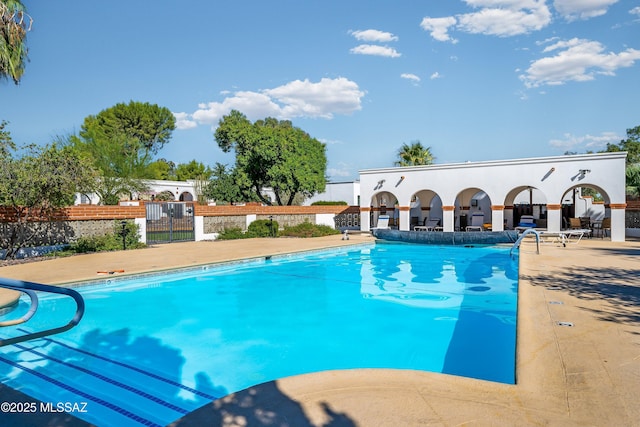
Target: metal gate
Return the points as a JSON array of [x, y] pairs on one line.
[[170, 222]]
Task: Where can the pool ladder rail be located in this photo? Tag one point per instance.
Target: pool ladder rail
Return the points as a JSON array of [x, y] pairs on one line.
[[523, 235], [30, 288]]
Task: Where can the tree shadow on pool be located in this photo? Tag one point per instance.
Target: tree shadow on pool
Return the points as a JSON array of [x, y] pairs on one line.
[[261, 405]]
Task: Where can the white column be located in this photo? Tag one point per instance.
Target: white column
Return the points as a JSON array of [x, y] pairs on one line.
[[497, 218], [618, 222], [554, 217], [448, 218]]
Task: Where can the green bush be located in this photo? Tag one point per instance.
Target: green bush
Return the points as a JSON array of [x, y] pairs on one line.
[[232, 234], [263, 228], [306, 229], [110, 242], [329, 203]]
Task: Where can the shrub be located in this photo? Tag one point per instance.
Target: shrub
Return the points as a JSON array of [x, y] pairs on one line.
[[111, 241], [263, 228], [306, 229], [232, 234]]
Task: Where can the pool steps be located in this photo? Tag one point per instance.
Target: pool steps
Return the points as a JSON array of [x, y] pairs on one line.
[[137, 388]]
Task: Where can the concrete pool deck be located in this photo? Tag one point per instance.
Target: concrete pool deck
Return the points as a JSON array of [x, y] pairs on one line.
[[585, 374]]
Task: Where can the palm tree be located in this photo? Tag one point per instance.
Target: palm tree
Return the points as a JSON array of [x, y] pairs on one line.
[[414, 155], [14, 25]]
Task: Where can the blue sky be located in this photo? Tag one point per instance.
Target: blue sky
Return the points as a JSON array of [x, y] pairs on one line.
[[474, 80]]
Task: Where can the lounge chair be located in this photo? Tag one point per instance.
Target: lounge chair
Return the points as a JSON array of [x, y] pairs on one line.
[[477, 221], [383, 223], [429, 225], [564, 236], [526, 221]]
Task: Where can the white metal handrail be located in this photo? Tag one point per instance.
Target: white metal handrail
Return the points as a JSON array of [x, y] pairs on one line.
[[30, 288], [522, 236]]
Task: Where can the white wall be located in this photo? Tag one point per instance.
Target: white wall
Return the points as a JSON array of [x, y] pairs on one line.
[[501, 181]]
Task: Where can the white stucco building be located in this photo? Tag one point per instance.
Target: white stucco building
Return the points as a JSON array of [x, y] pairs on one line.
[[453, 192]]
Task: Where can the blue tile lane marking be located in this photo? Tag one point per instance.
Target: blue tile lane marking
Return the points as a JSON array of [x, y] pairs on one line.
[[107, 379], [133, 368], [81, 393]]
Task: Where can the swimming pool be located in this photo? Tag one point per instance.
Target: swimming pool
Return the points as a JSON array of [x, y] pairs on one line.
[[152, 349]]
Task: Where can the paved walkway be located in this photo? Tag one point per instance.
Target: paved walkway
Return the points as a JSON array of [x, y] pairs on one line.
[[587, 374]]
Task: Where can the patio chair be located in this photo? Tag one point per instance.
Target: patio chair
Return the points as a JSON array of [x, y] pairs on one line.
[[600, 228], [575, 223], [477, 220]]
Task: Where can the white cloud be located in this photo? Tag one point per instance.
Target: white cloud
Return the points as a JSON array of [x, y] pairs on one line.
[[322, 99], [374, 36], [375, 50], [505, 18], [298, 98], [501, 18], [412, 77], [439, 27], [184, 122], [572, 10], [635, 11], [435, 75], [586, 142], [576, 60], [342, 170]]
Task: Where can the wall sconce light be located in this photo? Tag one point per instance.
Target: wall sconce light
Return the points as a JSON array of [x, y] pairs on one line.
[[585, 171], [553, 169], [402, 177]]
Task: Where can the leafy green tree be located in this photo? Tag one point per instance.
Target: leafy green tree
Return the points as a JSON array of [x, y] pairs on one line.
[[225, 186], [33, 188], [414, 154], [192, 170], [14, 26], [631, 145], [274, 154], [6, 143], [161, 169], [632, 173], [121, 162], [120, 141], [149, 126]]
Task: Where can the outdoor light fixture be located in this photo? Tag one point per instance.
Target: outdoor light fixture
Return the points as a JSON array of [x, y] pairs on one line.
[[584, 171]]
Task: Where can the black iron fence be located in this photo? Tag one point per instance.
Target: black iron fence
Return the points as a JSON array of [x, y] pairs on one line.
[[170, 222]]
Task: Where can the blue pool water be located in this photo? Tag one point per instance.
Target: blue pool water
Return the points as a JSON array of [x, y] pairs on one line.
[[152, 349]]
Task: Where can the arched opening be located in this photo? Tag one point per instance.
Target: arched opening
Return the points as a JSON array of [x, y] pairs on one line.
[[587, 202], [186, 197], [425, 205], [164, 196], [472, 210], [384, 203], [525, 201]]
